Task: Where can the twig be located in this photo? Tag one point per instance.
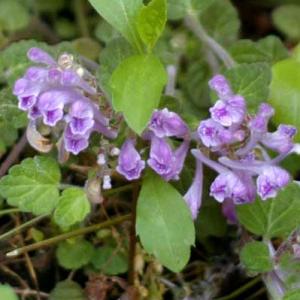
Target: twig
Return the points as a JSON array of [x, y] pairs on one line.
[[242, 289], [28, 261], [9, 211], [195, 26], [21, 227], [71, 234], [256, 294], [13, 274], [13, 155], [132, 240], [29, 292]]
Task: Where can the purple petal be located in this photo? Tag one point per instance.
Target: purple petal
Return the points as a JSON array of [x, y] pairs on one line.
[[280, 140], [71, 78], [36, 74], [26, 102], [20, 86], [81, 109], [271, 180], [212, 134], [229, 112], [54, 75], [38, 55], [51, 117], [229, 211], [81, 126], [165, 123], [130, 164], [161, 158], [34, 113], [193, 197], [229, 185], [220, 84]]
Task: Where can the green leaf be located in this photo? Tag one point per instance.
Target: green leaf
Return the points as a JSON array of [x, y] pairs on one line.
[[67, 290], [74, 254], [274, 217], [105, 33], [256, 258], [9, 111], [13, 15], [247, 51], [112, 55], [177, 9], [210, 222], [273, 48], [73, 207], [221, 21], [292, 295], [151, 21], [32, 185], [109, 260], [164, 223], [121, 14], [251, 81], [8, 136], [287, 19], [285, 93], [136, 87], [7, 293]]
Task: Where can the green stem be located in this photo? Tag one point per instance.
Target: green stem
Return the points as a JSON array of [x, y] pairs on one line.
[[192, 23], [117, 190], [22, 227], [81, 19], [242, 289], [9, 211], [65, 236]]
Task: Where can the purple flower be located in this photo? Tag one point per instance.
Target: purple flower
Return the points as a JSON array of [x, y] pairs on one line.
[[230, 185], [271, 180], [220, 84], [281, 140], [161, 158], [165, 123], [80, 117], [51, 105], [71, 78], [38, 55], [75, 143], [26, 92], [229, 211], [229, 112], [193, 197], [130, 164], [260, 122], [212, 134], [166, 162]]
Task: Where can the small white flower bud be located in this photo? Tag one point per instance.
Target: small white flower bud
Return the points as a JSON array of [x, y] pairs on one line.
[[106, 182], [115, 151], [101, 159]]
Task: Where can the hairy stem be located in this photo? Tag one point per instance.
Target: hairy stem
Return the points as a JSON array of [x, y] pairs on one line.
[[71, 234], [194, 25]]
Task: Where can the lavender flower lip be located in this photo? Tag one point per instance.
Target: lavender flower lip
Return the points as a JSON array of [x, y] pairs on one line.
[[165, 123], [130, 164]]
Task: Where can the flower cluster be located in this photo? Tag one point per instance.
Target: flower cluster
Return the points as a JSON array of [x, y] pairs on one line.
[[62, 92], [165, 161], [241, 142]]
